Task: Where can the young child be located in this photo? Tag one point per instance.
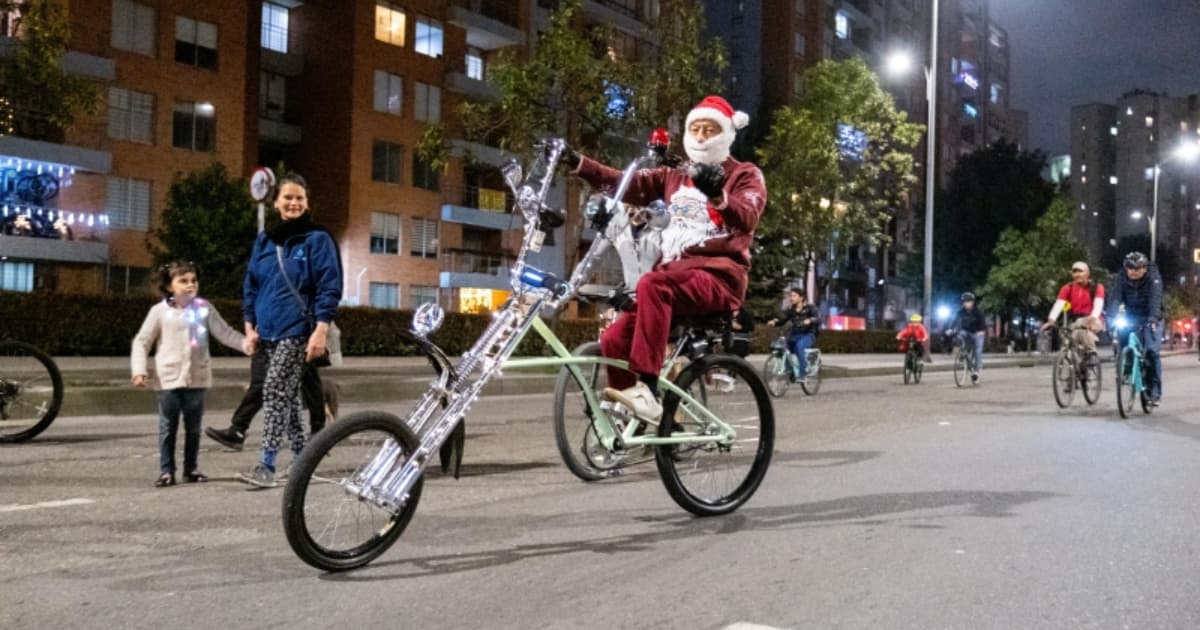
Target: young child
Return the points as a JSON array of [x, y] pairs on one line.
[[180, 325], [915, 333]]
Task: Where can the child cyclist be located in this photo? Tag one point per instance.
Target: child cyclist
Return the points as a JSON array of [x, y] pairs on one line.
[[915, 332], [180, 326]]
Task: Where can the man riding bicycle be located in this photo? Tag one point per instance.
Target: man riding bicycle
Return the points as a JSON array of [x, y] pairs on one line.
[[803, 324], [1086, 300], [1139, 289], [970, 326], [714, 203]]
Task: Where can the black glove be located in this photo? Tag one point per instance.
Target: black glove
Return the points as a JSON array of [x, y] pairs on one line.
[[570, 158], [709, 179]]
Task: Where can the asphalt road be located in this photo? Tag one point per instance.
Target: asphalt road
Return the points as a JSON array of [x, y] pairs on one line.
[[886, 506]]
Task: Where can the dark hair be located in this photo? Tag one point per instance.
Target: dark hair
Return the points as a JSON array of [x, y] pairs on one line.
[[291, 177], [168, 271], [798, 291]]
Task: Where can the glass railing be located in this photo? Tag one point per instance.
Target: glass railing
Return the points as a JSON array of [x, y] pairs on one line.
[[469, 261], [479, 198], [503, 11]]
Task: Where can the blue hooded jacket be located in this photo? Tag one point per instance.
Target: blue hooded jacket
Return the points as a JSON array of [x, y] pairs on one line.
[[1142, 299], [312, 263]]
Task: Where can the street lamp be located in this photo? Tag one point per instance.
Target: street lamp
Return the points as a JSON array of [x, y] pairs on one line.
[[899, 63], [1186, 152]]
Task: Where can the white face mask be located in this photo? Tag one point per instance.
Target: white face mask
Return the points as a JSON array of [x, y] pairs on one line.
[[712, 151]]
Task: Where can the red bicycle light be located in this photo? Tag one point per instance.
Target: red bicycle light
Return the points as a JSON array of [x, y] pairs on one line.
[[660, 138]]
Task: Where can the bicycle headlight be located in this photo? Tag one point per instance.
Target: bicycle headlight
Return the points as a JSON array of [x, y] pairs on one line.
[[1121, 322], [427, 319]]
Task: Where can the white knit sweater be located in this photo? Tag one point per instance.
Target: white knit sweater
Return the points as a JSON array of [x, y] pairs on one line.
[[182, 358]]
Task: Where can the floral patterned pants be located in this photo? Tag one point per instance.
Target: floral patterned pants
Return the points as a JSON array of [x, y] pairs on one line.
[[281, 393]]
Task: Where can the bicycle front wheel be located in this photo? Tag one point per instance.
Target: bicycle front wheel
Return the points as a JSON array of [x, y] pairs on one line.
[[713, 478], [960, 369], [1126, 388], [330, 526], [31, 391], [574, 422], [1063, 379], [775, 373]]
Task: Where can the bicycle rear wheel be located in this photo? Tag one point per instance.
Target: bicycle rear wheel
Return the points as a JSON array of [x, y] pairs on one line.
[[960, 368], [710, 478], [31, 391], [1090, 379], [328, 525], [1063, 379], [909, 369], [775, 374], [812, 382], [1126, 388], [574, 423]]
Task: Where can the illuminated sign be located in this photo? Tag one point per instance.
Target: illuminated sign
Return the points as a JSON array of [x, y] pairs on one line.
[[969, 80], [970, 110]]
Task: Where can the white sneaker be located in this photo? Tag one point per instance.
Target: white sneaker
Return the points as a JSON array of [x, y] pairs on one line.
[[638, 399]]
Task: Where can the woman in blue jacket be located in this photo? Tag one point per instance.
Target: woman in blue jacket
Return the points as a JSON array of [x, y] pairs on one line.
[[289, 298]]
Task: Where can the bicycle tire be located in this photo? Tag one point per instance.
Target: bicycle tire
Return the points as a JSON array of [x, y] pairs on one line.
[[1062, 379], [19, 380], [812, 383], [669, 461], [960, 369], [775, 375], [909, 370], [583, 454], [303, 471], [1092, 378], [1126, 388], [1146, 408]]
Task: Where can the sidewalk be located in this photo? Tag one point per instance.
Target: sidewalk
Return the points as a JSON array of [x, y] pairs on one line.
[[100, 385]]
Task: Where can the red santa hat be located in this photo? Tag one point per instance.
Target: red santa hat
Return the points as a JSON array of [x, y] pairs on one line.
[[718, 109]]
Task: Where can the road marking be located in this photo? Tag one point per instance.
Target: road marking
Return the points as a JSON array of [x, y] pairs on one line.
[[745, 625], [44, 504]]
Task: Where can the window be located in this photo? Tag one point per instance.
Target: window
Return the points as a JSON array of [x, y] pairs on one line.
[[418, 295], [1149, 173], [130, 115], [424, 176], [275, 27], [1083, 168], [1149, 122], [423, 242], [429, 37], [389, 93], [841, 25], [801, 7], [474, 64], [127, 202], [195, 43], [385, 233], [385, 295], [133, 27], [800, 45], [386, 159], [997, 90], [389, 24], [428, 103], [1112, 179], [195, 126], [15, 276], [272, 95]]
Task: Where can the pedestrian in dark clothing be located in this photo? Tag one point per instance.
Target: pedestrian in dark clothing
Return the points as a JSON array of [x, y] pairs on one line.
[[741, 332]]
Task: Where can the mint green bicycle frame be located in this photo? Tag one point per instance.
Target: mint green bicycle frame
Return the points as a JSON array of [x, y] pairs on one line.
[[605, 430]]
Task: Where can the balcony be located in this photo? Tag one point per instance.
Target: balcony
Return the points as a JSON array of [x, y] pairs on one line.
[[54, 155], [615, 15], [490, 24], [74, 62], [478, 152], [50, 249], [473, 88], [277, 131], [284, 55], [478, 206], [463, 268]]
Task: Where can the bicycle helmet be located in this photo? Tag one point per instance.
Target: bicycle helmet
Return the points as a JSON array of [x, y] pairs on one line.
[[915, 318], [967, 297], [1136, 260]]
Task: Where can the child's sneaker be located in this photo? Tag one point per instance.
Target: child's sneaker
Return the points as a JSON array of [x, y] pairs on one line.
[[259, 476]]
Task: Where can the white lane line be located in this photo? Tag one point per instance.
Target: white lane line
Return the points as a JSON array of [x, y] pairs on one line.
[[743, 625], [44, 504]]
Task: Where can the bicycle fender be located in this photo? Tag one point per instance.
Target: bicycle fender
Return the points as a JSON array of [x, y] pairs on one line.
[[451, 453]]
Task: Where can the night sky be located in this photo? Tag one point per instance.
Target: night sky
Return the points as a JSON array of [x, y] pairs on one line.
[[1069, 52]]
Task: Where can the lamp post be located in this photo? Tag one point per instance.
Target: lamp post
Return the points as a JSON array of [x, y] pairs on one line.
[[1186, 152], [899, 63]]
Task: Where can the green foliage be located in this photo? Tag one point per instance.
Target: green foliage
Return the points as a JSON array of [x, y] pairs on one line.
[[43, 99], [433, 148], [210, 220], [800, 160]]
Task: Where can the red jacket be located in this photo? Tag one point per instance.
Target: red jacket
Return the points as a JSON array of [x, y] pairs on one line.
[[726, 253], [913, 331]]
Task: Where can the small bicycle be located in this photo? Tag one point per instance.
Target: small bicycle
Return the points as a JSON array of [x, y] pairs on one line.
[[1131, 367], [966, 361], [780, 367], [31, 391], [1073, 370], [914, 362]]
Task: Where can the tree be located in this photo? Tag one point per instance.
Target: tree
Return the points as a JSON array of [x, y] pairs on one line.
[[817, 191], [1032, 265], [210, 220], [990, 190], [38, 99]]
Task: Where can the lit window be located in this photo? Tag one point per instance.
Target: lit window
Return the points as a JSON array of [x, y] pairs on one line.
[[474, 64], [385, 295], [841, 25], [428, 102], [274, 27], [1083, 168], [386, 160], [389, 93], [1149, 121], [130, 115], [1083, 206], [1083, 180], [996, 91], [385, 233], [1112, 131], [1112, 179], [195, 43], [194, 126], [1128, 111], [1183, 125], [418, 295], [1095, 214], [15, 276], [133, 27], [424, 238], [1150, 173], [389, 24], [127, 203], [429, 37]]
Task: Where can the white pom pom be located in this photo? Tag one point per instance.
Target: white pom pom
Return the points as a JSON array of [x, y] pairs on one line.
[[740, 120]]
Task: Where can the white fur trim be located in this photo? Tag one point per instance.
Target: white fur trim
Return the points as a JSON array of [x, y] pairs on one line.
[[709, 113], [740, 120]]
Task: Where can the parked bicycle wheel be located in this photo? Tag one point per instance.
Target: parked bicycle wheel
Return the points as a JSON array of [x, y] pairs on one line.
[[1090, 379], [1126, 387], [812, 384], [1063, 379], [327, 524], [710, 479], [574, 427], [775, 373], [31, 391]]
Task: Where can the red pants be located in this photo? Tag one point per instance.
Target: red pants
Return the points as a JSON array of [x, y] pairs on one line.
[[641, 334]]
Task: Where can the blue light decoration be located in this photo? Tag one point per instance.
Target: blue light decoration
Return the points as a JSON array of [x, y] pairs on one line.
[[970, 110], [851, 143], [26, 189], [619, 100]]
